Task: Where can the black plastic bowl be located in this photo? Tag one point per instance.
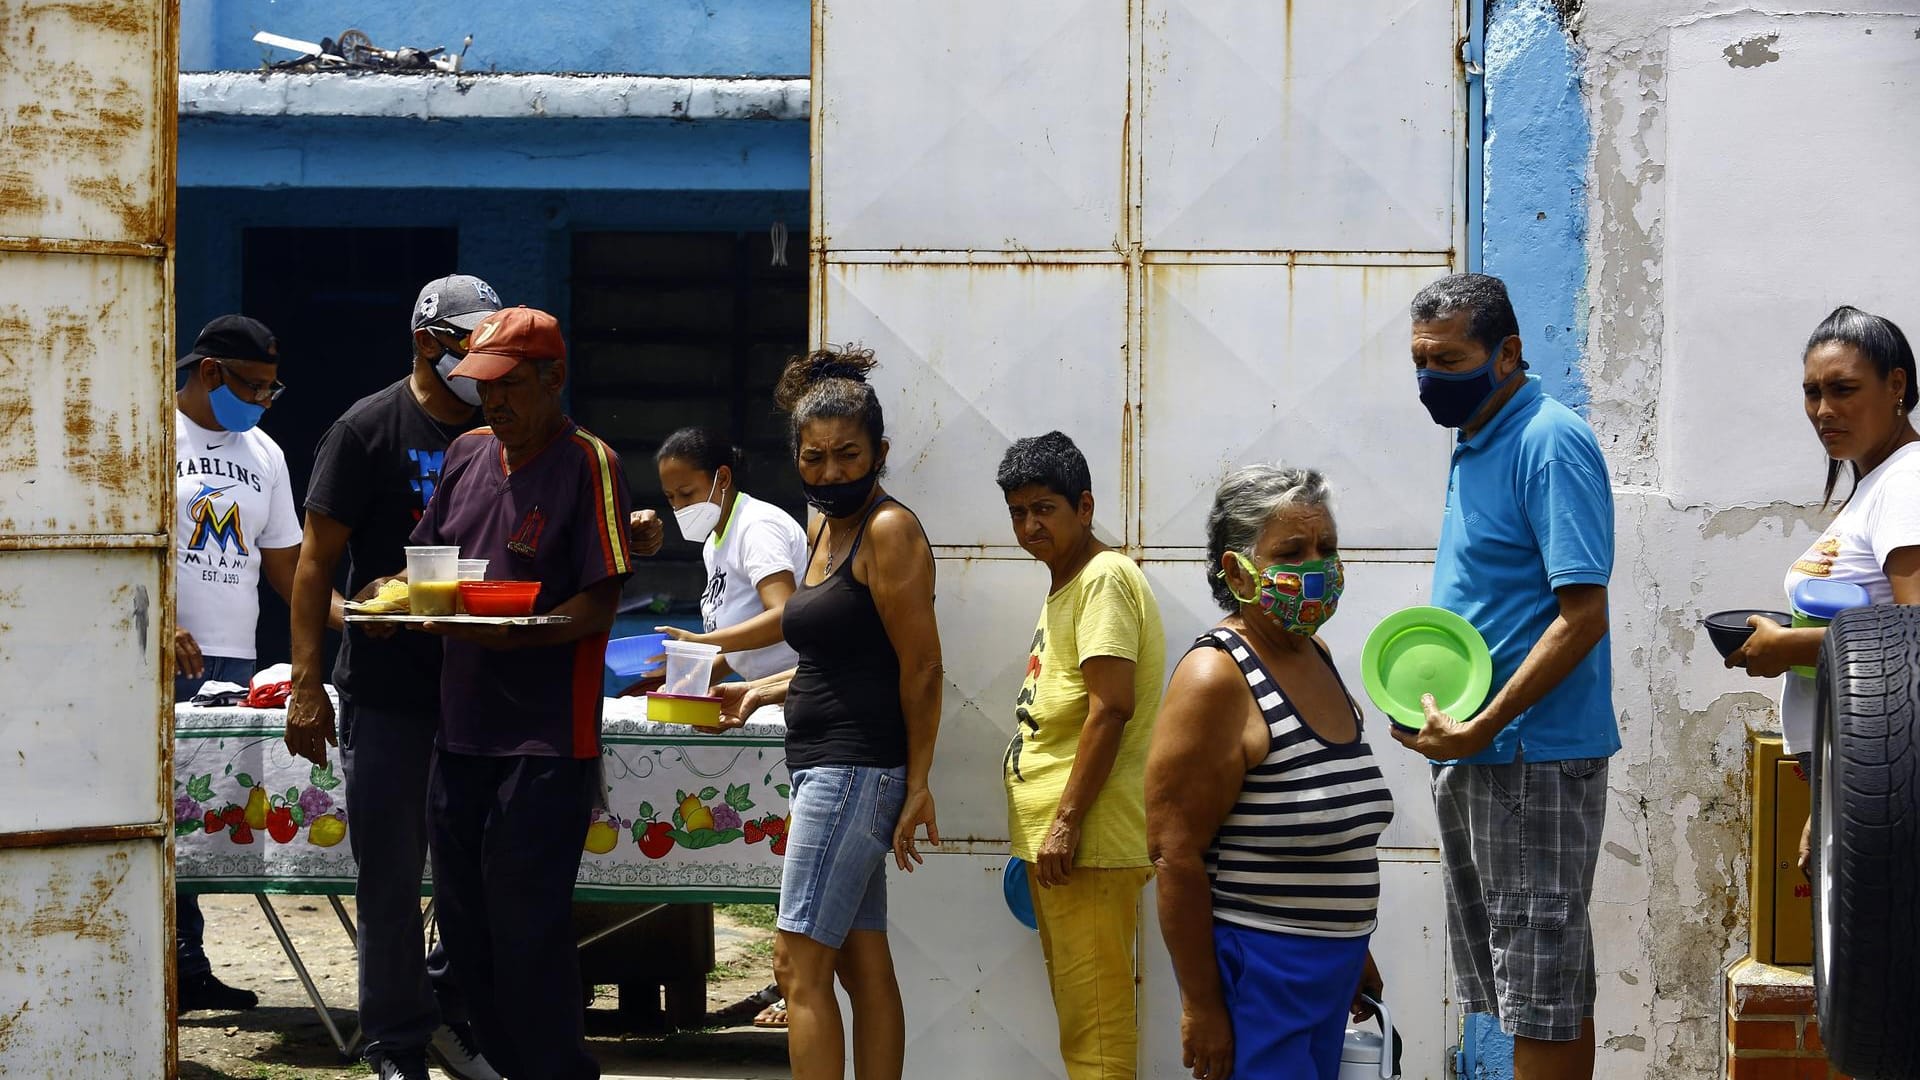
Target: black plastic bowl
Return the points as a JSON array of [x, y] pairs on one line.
[[1729, 629]]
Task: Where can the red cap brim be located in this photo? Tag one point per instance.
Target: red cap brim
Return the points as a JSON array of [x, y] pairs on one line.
[[485, 367]]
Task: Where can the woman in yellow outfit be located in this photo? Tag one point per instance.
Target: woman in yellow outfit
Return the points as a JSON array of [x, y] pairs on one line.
[[1075, 771]]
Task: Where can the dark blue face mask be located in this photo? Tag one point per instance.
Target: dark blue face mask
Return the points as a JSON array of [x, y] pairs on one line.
[[1453, 397], [232, 413]]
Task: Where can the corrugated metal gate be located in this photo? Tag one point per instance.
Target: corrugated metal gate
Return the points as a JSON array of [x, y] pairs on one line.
[[86, 438], [1185, 232]]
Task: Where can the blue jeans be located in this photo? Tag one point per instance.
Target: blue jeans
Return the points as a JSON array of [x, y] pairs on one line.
[[834, 880], [189, 926], [387, 756]]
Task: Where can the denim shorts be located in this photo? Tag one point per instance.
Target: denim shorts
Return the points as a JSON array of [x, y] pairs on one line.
[[835, 877], [1521, 842]]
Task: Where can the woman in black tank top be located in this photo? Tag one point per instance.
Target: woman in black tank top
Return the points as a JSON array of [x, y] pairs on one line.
[[863, 709]]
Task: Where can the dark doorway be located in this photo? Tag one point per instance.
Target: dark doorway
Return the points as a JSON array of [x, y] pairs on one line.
[[339, 300], [672, 329]]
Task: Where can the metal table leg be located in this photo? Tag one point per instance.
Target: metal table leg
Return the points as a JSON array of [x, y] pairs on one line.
[[306, 980], [609, 931], [346, 921], [353, 935]]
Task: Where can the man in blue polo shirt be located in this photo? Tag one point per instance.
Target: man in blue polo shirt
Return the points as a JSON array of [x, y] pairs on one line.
[[1526, 550]]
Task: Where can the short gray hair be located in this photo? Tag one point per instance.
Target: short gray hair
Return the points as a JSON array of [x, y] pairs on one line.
[[1245, 501], [1490, 318]]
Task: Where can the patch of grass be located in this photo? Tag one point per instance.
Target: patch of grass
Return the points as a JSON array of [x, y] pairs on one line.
[[729, 972], [761, 950], [758, 916]]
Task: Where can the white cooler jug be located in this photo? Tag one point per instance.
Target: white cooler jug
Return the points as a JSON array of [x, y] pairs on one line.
[[1367, 1055]]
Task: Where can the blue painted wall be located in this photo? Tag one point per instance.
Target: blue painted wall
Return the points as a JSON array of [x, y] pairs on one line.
[[653, 37], [608, 155], [1486, 1052], [1537, 146], [1534, 237]]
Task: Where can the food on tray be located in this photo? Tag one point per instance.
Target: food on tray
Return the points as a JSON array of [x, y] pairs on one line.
[[391, 599]]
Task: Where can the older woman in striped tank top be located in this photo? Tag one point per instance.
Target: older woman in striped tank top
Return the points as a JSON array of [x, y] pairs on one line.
[[1264, 804]]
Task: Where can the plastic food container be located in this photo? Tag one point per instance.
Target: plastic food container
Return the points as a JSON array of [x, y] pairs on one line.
[[432, 576], [695, 711], [689, 668], [473, 570], [1816, 601], [499, 598]]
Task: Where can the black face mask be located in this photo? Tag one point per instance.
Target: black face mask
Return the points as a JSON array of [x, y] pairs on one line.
[[841, 500]]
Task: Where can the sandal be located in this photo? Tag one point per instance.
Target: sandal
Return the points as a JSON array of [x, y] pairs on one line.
[[773, 1016]]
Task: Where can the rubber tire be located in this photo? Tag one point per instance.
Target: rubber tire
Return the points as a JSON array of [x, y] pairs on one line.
[[1866, 829]]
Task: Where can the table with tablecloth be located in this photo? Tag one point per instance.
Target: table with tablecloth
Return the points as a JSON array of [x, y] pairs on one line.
[[690, 817]]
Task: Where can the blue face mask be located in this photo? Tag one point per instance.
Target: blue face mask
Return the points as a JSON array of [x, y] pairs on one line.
[[1453, 397], [232, 413]]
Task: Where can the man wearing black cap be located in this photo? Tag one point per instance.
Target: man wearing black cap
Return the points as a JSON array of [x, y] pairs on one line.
[[233, 519], [373, 475]]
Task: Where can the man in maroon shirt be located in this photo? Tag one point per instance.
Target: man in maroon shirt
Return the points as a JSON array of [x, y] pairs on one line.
[[516, 767]]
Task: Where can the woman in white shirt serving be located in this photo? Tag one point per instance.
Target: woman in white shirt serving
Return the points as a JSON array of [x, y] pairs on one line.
[[1860, 391], [753, 550]]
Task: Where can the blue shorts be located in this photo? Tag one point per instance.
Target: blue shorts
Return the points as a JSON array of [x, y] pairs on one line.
[[834, 880], [1288, 998]]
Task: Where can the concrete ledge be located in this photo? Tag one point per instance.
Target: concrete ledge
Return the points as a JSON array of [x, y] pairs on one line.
[[433, 96]]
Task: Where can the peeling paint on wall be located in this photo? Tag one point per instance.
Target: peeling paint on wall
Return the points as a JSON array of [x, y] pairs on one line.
[[1698, 530], [1754, 51]]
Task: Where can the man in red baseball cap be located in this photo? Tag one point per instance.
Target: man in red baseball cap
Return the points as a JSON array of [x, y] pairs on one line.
[[516, 772]]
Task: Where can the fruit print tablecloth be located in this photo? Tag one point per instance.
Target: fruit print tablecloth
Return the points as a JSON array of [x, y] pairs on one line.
[[690, 817]]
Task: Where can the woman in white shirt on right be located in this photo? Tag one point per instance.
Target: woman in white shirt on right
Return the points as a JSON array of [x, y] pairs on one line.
[[1861, 389]]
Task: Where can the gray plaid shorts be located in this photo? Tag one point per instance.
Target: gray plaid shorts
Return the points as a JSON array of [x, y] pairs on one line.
[[1521, 842]]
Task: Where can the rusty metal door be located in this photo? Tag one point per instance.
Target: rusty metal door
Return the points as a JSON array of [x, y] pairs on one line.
[[1185, 232], [86, 233]]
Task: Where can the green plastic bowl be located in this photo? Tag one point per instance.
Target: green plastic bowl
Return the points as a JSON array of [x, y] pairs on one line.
[[1426, 650]]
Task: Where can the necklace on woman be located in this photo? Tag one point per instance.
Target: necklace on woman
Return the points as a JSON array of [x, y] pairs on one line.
[[830, 546]]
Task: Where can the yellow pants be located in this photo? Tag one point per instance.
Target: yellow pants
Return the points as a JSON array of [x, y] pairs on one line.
[[1087, 930]]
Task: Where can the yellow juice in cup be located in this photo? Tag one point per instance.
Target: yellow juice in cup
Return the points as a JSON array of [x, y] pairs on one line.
[[433, 597]]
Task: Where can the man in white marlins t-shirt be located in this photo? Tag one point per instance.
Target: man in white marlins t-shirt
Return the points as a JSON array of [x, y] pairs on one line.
[[233, 519]]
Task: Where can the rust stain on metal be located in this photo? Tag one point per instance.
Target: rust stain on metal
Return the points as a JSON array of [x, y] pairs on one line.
[[125, 201], [17, 194], [123, 17], [8, 1021], [88, 917], [98, 453], [78, 126], [18, 452]]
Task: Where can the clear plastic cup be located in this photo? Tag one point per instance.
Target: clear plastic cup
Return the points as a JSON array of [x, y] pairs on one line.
[[433, 580], [689, 668], [473, 569]]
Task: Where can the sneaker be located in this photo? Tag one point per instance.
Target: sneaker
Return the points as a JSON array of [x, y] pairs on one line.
[[398, 1064], [207, 993], [454, 1048]]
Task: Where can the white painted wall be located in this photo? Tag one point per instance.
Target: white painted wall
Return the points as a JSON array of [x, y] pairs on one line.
[[1185, 232], [1734, 200]]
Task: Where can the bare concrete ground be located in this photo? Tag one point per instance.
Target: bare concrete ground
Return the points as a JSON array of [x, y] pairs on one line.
[[284, 1040]]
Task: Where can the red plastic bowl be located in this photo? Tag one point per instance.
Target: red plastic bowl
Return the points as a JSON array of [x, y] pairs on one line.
[[499, 597]]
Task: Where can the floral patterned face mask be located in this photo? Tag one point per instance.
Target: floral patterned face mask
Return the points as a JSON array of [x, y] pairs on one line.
[[1300, 597]]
